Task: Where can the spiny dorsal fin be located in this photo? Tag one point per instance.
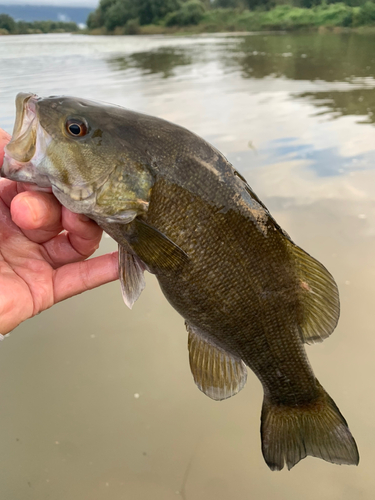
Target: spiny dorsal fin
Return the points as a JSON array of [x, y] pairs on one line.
[[156, 249], [131, 273], [320, 298], [217, 373]]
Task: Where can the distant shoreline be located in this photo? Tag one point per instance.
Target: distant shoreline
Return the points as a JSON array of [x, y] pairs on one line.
[[151, 30], [323, 17]]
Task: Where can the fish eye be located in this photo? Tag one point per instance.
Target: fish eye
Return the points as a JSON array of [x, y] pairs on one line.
[[76, 127]]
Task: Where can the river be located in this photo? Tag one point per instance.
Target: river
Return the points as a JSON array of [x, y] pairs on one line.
[[97, 402]]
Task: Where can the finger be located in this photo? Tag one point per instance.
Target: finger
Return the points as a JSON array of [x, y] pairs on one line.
[[8, 190], [37, 214], [79, 277], [79, 241], [84, 233], [4, 139]]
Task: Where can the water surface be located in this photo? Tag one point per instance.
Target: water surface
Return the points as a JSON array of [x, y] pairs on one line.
[[97, 401]]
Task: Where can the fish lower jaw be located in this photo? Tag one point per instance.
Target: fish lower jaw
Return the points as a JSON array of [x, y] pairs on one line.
[[23, 172]]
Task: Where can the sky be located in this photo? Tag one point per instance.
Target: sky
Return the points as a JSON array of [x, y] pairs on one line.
[[65, 3]]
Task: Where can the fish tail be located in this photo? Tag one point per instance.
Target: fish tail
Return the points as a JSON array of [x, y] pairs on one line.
[[290, 433]]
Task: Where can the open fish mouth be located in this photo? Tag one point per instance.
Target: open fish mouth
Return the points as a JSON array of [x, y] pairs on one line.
[[23, 144], [28, 145]]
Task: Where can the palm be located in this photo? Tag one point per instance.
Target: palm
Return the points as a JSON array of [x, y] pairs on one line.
[[44, 262], [26, 278]]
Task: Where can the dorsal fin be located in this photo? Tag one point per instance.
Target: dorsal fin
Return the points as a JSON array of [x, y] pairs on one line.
[[131, 273], [319, 295], [217, 373]]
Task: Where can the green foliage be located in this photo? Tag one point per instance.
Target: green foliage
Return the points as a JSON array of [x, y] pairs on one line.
[[45, 27], [132, 27], [113, 13], [94, 20], [153, 11], [259, 4], [337, 14], [368, 11], [230, 15], [119, 13], [287, 17], [308, 4], [190, 12], [366, 14], [351, 3], [7, 23], [227, 4]]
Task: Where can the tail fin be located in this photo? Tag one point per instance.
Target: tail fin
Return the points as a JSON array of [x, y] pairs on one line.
[[290, 433]]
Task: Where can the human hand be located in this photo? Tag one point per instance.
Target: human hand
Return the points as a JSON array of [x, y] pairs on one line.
[[43, 252]]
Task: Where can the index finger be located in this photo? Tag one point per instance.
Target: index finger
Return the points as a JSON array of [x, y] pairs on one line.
[[4, 139]]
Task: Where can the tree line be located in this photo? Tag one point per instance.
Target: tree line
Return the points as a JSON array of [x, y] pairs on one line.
[[113, 13], [9, 26], [135, 16], [131, 14]]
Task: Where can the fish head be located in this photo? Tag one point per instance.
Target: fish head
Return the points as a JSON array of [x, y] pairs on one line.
[[75, 147]]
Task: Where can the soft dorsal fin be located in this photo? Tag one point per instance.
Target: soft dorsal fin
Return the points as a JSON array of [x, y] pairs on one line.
[[320, 298], [131, 273], [217, 373], [155, 249]]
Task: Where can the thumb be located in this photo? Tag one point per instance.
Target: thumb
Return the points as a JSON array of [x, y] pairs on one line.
[[4, 139]]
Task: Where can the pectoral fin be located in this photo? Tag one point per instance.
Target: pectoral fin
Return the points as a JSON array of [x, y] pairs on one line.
[[156, 249], [319, 296], [131, 271], [216, 372]]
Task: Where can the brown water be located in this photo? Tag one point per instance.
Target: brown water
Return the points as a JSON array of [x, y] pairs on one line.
[[97, 402]]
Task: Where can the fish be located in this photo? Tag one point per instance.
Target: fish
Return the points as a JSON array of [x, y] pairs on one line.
[[178, 209]]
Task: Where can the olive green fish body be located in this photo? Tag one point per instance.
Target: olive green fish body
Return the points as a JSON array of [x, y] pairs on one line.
[[243, 291], [178, 209], [239, 286]]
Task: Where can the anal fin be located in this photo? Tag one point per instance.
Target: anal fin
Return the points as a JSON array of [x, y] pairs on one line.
[[131, 272], [217, 373]]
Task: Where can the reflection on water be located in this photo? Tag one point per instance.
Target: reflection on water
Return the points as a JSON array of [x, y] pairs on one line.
[[329, 58], [161, 61], [359, 102], [98, 401]]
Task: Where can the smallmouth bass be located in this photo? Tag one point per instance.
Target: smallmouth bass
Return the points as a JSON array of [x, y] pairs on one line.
[[177, 208]]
